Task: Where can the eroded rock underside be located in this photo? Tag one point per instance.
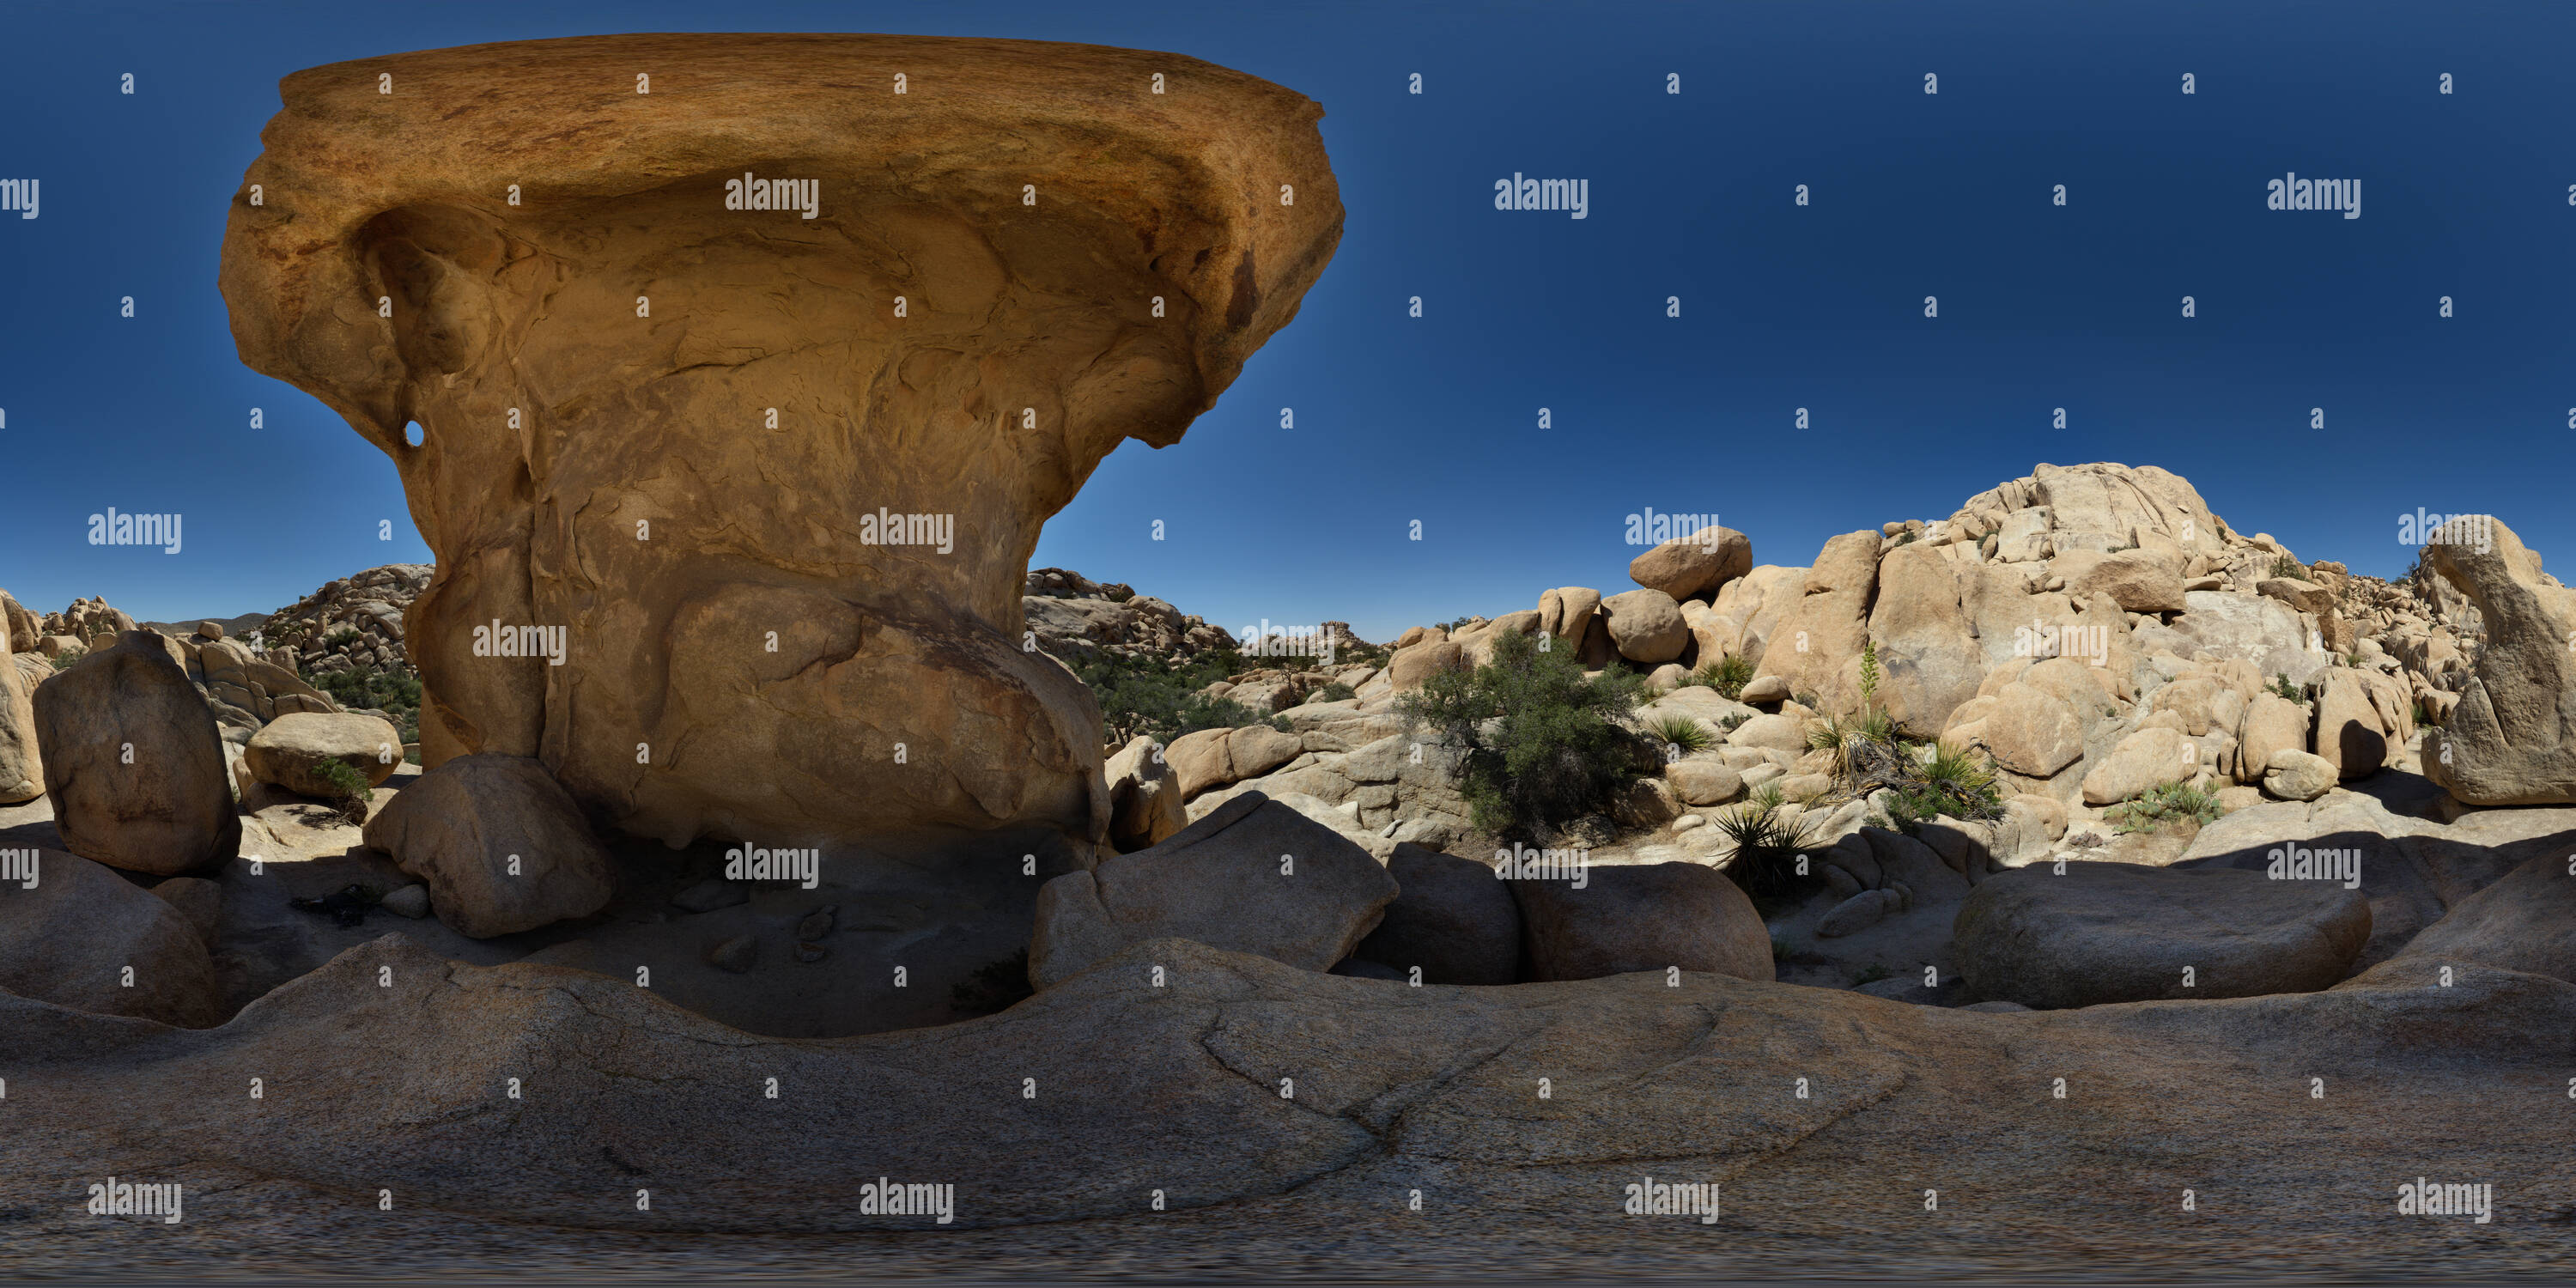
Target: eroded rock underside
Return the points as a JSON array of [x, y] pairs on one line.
[[371, 1086], [594, 369]]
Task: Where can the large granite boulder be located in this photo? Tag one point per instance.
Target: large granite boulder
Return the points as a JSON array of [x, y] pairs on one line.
[[1694, 567], [1144, 796], [1646, 626], [290, 750], [1451, 917], [1646, 917], [72, 936], [1252, 876], [2512, 739], [499, 843], [924, 320], [133, 761], [1928, 655], [2119, 932]]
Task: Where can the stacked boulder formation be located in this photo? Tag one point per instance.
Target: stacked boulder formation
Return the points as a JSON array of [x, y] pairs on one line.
[[1023, 258]]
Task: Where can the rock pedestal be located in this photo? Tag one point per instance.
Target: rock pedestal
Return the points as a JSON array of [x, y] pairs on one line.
[[742, 393]]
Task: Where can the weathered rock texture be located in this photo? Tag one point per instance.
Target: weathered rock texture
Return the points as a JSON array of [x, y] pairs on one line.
[[595, 368], [22, 766], [397, 1063], [133, 763], [2512, 739], [500, 845]]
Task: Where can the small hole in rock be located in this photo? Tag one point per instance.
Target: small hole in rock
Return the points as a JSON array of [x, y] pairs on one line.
[[412, 434]]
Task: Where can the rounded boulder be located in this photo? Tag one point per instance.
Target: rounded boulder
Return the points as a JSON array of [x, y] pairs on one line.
[[291, 750]]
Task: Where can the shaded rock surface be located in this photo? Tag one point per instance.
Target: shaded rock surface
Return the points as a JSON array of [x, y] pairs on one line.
[[501, 847], [2116, 932], [1251, 876]]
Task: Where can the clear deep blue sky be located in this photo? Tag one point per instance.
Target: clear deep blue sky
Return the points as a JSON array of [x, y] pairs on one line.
[[1435, 419]]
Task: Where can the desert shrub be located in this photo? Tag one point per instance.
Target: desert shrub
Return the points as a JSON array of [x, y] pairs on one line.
[[63, 660], [1845, 736], [1683, 732], [2285, 566], [1543, 744], [1199, 711], [2282, 687], [1731, 721], [344, 635], [1334, 692], [1949, 780], [1875, 972], [2164, 803], [1147, 695], [1765, 859], [1728, 675], [994, 986], [350, 790], [1809, 700]]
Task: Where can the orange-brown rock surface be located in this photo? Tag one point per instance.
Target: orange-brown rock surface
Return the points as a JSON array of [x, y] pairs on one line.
[[669, 427]]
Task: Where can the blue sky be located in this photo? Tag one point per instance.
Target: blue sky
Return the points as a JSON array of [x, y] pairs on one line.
[[1397, 418]]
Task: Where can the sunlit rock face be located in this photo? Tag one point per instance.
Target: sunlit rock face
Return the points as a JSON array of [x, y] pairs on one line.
[[775, 473]]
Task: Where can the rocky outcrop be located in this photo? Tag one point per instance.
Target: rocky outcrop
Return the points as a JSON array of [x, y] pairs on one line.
[[1072, 615], [133, 763], [1252, 876], [1824, 630], [2512, 738], [1005, 277], [500, 845]]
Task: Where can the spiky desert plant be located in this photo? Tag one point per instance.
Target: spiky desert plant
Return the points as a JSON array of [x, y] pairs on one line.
[[1682, 733], [1764, 863]]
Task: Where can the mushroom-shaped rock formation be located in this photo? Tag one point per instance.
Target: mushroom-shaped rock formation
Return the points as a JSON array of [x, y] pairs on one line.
[[747, 368]]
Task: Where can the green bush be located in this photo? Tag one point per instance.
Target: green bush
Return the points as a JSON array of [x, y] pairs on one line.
[[346, 782], [1728, 675], [1542, 743], [1949, 781], [1144, 695], [1334, 692], [2285, 566], [63, 660], [2164, 803], [344, 635], [2281, 686]]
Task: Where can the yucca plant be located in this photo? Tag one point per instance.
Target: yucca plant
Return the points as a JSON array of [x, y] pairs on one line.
[[1681, 735], [1764, 863]]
